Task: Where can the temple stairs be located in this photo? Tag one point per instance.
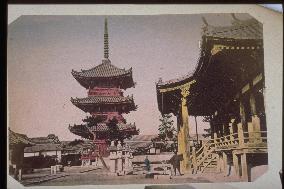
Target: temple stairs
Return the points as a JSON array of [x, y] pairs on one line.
[[236, 150], [205, 159]]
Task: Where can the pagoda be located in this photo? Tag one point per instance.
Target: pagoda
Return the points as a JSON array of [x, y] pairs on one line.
[[105, 101]]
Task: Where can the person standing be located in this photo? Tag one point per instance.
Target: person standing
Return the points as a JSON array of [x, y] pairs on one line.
[[147, 164], [175, 161]]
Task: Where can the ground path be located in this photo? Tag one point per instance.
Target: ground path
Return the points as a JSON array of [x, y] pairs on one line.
[[100, 176]]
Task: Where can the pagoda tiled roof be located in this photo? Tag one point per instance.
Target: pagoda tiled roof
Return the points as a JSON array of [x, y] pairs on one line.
[[240, 29], [102, 100], [102, 127], [103, 70]]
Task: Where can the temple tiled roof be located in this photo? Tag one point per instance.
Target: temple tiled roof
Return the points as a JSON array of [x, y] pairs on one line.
[[77, 148], [43, 147], [141, 138], [174, 81], [140, 141], [43, 140], [240, 29], [106, 69], [102, 99], [16, 138], [101, 127]]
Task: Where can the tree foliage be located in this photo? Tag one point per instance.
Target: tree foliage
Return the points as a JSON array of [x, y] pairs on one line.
[[114, 134], [208, 131], [167, 133], [166, 128], [75, 142]]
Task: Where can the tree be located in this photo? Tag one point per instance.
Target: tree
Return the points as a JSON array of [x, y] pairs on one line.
[[167, 133], [166, 129], [75, 142], [208, 131], [114, 134], [92, 121]]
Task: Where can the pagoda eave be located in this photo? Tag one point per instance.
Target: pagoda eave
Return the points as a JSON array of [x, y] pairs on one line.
[[124, 80], [85, 132]]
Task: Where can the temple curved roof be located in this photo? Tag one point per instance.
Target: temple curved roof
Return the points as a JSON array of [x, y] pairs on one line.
[[83, 131], [229, 55], [240, 29], [102, 99], [86, 104], [19, 139], [104, 71]]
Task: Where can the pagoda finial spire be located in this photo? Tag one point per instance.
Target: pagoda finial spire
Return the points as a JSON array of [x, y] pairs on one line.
[[106, 48]]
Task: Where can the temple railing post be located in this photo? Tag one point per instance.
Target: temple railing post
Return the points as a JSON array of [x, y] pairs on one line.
[[256, 126], [240, 135], [231, 132], [251, 133], [255, 121], [225, 163], [236, 164], [215, 140], [194, 163], [244, 167]]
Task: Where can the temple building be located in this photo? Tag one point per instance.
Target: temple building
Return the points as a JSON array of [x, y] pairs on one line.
[[105, 101], [17, 144], [227, 89]]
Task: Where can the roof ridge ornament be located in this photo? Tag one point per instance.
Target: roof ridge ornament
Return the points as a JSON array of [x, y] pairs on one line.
[[106, 45], [205, 27], [205, 21]]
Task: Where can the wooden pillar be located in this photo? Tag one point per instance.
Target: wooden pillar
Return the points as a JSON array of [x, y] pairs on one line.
[[179, 125], [225, 163], [255, 121], [251, 132], [244, 167], [252, 103], [184, 131], [194, 162], [231, 131], [240, 134], [220, 167], [20, 175], [242, 113], [183, 134], [256, 127], [236, 164]]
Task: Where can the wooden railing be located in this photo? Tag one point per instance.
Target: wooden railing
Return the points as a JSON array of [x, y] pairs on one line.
[[234, 141], [256, 139]]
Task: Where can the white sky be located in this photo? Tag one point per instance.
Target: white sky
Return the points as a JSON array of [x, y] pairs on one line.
[[42, 51]]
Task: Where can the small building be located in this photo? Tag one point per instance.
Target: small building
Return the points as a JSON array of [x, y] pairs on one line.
[[144, 144], [45, 152], [17, 143], [74, 151]]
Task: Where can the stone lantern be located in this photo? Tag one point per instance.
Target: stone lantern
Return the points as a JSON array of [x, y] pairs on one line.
[[127, 157], [119, 157], [113, 157]]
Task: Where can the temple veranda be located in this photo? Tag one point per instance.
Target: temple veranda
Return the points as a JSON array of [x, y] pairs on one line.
[[227, 88]]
